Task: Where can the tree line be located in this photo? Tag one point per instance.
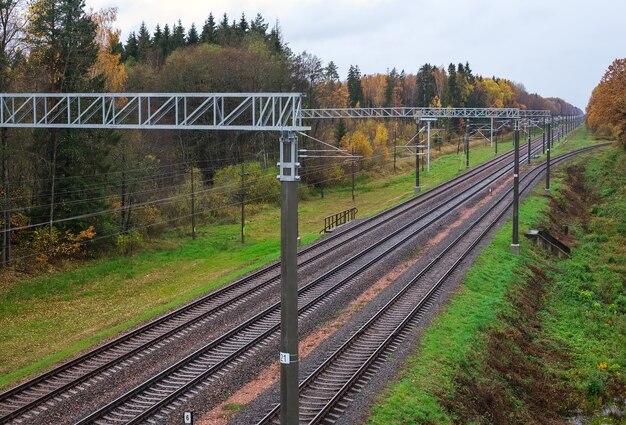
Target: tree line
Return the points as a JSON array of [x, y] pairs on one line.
[[71, 193], [606, 111]]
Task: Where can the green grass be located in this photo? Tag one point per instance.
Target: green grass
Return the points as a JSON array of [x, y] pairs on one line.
[[585, 307], [589, 299], [457, 332], [47, 319]]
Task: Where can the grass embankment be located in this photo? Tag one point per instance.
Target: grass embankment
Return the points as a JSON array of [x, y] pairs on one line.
[[49, 318], [530, 338]]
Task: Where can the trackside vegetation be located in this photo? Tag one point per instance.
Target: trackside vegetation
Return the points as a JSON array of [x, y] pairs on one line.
[[533, 339]]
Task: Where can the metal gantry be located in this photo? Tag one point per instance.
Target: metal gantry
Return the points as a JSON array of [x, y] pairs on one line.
[[151, 111], [410, 112]]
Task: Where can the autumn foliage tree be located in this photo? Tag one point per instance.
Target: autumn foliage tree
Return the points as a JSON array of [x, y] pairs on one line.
[[606, 111]]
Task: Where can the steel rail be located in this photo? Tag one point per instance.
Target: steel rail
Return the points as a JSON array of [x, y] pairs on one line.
[[30, 385], [266, 331], [397, 330]]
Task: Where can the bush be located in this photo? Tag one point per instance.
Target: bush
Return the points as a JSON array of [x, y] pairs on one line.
[[129, 242], [55, 245]]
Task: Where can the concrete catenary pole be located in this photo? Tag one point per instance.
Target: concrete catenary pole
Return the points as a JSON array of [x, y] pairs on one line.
[[289, 178], [515, 239]]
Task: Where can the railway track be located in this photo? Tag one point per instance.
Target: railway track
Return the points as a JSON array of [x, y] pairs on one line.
[[325, 393], [23, 399], [153, 398]]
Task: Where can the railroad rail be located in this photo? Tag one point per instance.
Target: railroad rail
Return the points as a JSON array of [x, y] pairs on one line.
[[323, 393], [28, 396], [153, 397]]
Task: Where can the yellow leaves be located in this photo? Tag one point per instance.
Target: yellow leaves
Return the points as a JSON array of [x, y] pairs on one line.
[[358, 143], [435, 103], [381, 141], [114, 73], [607, 107], [108, 64]]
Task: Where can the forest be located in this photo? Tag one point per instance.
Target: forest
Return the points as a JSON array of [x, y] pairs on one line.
[[72, 194]]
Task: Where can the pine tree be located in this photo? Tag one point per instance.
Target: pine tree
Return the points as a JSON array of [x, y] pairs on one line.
[[355, 88], [209, 31], [193, 37], [340, 132]]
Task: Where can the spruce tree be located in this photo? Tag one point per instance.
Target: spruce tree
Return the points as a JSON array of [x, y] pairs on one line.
[[192, 36], [131, 50], [243, 26], [158, 36], [258, 25], [331, 73], [451, 90], [392, 79], [426, 85], [355, 88], [178, 38], [166, 40], [224, 31], [144, 43], [209, 31]]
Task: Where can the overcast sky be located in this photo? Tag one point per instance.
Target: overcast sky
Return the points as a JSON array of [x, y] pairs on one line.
[[554, 47]]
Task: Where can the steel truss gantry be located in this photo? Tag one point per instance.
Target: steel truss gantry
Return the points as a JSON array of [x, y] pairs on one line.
[[165, 111], [428, 115], [408, 112]]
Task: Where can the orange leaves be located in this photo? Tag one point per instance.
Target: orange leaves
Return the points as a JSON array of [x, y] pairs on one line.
[[606, 111], [108, 64], [52, 245]]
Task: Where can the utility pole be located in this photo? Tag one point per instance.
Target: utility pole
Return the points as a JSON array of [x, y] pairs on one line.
[[467, 144], [529, 139], [417, 161], [395, 143], [289, 396], [352, 173], [243, 200], [496, 143], [6, 235], [548, 165], [193, 205], [543, 137], [515, 239]]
